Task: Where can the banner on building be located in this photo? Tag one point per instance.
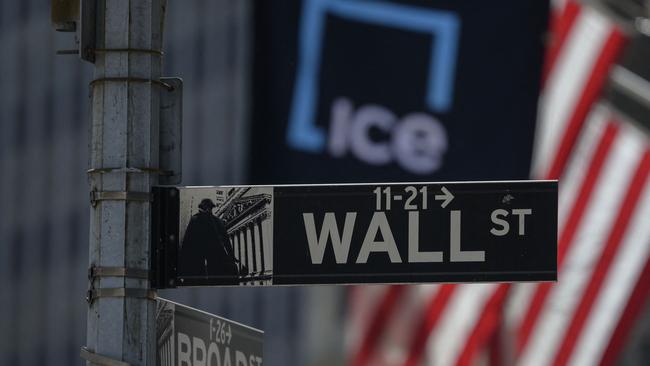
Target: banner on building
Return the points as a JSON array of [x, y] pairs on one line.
[[363, 91]]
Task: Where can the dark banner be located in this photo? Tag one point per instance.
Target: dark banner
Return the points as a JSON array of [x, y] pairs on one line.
[[190, 337], [357, 233], [356, 90]]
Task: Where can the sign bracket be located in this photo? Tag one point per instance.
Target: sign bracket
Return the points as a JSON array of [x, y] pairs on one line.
[[128, 170], [137, 273], [96, 196], [171, 131], [120, 292]]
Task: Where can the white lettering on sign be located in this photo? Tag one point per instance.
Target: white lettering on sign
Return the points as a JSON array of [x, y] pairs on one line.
[[417, 142], [457, 254], [412, 201], [198, 352], [193, 352], [241, 360], [220, 331], [415, 255], [498, 218], [184, 350], [214, 356], [522, 218], [379, 223], [380, 227], [329, 232], [226, 357]]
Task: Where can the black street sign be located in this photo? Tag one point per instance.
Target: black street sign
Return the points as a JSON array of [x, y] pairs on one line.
[[355, 233], [190, 337]]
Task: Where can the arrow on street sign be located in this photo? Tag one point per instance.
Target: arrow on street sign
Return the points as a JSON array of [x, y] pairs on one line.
[[446, 197], [355, 233]]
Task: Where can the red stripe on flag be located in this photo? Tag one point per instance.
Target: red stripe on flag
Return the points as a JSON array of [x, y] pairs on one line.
[[532, 314], [586, 190], [378, 324], [559, 32], [485, 326], [436, 305], [609, 252], [597, 79], [566, 237], [495, 347], [635, 305]]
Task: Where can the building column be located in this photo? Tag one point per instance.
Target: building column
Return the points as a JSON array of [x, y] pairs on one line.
[[235, 247], [259, 243], [251, 251], [267, 234], [244, 248]]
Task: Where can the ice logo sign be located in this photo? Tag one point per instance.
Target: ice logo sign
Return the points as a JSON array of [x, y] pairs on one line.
[[416, 141]]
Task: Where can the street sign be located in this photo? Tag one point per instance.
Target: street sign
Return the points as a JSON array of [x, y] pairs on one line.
[[355, 233], [190, 337]]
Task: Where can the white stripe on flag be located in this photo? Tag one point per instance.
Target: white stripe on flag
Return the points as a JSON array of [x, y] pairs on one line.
[[584, 251], [566, 84], [521, 294], [616, 291], [363, 304], [457, 322], [393, 338], [570, 182], [518, 301], [395, 342], [619, 283]]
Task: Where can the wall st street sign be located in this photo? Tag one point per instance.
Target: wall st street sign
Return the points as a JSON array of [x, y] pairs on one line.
[[355, 233], [189, 337]]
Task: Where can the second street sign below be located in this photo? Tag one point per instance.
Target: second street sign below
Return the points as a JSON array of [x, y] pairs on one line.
[[355, 233]]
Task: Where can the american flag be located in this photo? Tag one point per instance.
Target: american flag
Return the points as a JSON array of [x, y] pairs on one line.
[[603, 163]]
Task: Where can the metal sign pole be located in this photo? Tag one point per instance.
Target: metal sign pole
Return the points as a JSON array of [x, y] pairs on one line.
[[123, 166]]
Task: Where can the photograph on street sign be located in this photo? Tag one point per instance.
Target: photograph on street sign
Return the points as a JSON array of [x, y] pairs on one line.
[[357, 233], [226, 234]]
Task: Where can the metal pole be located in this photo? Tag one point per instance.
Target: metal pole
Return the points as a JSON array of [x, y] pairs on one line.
[[124, 134]]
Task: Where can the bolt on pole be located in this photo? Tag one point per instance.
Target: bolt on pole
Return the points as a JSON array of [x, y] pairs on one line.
[[124, 134]]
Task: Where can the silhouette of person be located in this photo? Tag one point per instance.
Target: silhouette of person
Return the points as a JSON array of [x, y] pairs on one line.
[[206, 249]]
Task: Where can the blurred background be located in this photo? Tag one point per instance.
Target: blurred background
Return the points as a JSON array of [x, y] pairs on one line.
[[323, 91]]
